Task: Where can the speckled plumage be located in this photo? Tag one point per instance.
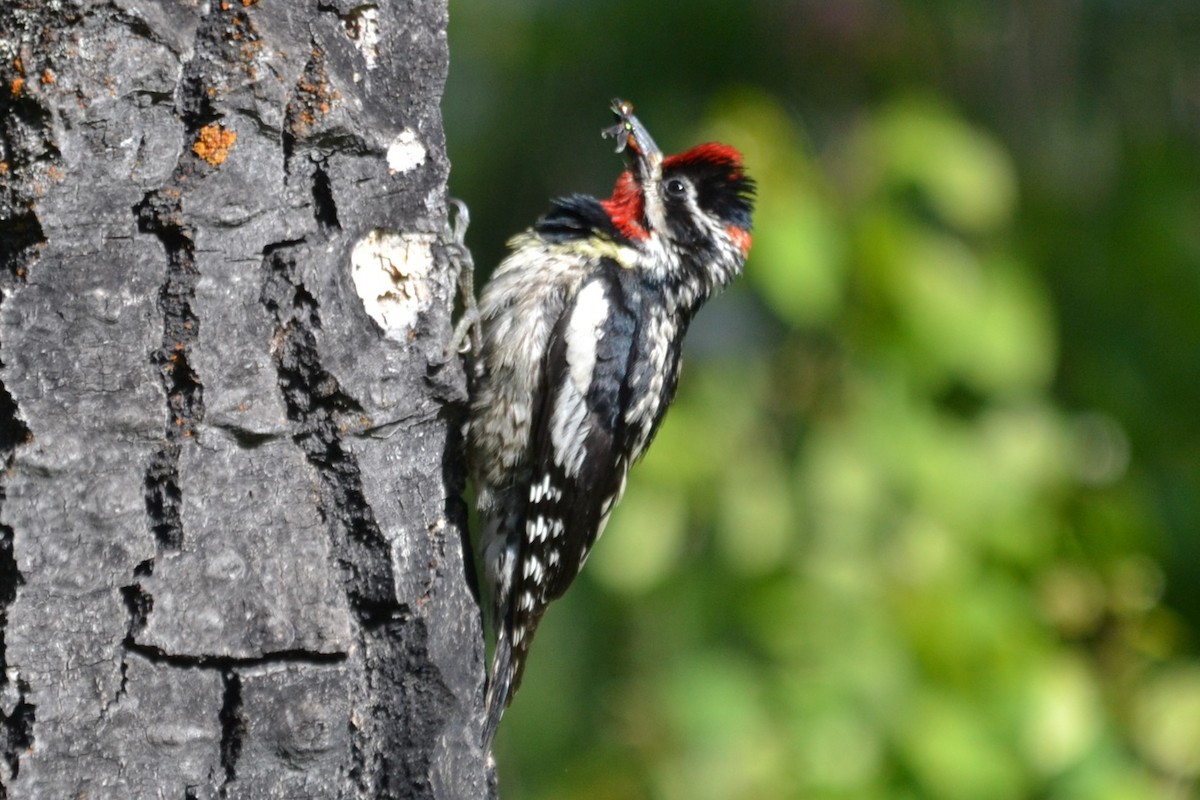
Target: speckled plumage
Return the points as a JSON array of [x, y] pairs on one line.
[[583, 326]]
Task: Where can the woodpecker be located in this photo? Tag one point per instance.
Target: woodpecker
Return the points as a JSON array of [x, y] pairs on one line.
[[583, 325]]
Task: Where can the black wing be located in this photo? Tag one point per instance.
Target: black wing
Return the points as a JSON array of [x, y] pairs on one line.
[[578, 465], [577, 216]]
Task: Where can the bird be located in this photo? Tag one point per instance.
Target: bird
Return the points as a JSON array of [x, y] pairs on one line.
[[582, 330]]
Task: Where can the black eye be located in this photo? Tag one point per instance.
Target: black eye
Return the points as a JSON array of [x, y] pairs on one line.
[[676, 187]]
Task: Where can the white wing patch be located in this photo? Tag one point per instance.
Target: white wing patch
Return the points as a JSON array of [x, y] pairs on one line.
[[568, 429], [533, 569], [538, 529], [544, 491]]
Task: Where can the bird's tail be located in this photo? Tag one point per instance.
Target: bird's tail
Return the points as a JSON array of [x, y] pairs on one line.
[[500, 686]]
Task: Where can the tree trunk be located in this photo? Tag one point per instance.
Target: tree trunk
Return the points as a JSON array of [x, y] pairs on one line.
[[232, 551]]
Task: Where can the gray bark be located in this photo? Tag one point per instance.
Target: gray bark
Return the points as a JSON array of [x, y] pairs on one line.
[[232, 550]]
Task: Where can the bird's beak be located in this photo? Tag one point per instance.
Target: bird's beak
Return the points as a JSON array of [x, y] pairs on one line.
[[645, 159]]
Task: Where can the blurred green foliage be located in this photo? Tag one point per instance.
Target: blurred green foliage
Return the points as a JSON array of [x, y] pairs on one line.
[[922, 523]]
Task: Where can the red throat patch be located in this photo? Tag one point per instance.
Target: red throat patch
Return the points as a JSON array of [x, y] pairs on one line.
[[626, 207]]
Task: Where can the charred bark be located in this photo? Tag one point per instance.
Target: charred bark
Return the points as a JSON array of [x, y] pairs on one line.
[[232, 550]]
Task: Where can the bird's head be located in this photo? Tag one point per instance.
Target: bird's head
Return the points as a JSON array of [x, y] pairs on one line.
[[696, 206]]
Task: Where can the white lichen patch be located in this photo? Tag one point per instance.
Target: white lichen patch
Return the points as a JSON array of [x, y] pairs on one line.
[[362, 26], [392, 273], [405, 152]]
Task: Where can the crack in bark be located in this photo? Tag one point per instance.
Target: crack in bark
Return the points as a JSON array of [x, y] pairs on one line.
[[164, 498], [324, 207], [17, 728], [17, 714], [415, 703], [22, 242], [320, 411], [160, 214], [138, 603], [233, 726], [391, 757], [156, 655]]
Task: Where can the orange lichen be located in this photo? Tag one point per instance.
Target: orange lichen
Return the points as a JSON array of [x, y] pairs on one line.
[[47, 77], [16, 86], [213, 143], [3, 167], [314, 97]]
